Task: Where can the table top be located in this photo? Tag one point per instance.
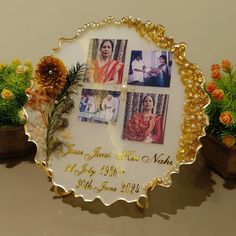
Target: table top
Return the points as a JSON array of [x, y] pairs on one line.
[[199, 202]]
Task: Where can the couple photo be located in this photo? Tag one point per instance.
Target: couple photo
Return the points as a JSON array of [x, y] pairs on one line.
[[100, 106], [150, 68]]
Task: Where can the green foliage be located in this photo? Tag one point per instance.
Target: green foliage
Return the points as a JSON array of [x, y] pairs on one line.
[[14, 79], [222, 109]]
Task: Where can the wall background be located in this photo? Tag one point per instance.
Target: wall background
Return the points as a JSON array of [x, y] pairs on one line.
[[198, 203], [30, 29]]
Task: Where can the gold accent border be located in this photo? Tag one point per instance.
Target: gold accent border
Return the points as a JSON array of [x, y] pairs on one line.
[[194, 121]]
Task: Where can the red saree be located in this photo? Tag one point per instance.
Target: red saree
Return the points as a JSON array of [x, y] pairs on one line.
[[107, 72], [140, 129]]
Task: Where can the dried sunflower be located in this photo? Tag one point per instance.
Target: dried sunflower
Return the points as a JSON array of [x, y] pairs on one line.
[[50, 74]]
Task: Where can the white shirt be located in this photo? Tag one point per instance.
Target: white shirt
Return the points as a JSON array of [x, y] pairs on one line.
[[110, 109], [137, 75]]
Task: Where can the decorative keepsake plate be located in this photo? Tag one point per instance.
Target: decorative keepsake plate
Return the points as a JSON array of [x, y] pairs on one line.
[[116, 110]]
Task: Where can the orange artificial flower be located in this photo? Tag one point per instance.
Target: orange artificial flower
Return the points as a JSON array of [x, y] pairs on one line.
[[218, 94], [229, 140], [37, 97], [215, 67], [226, 65], [226, 118], [210, 87], [215, 74], [51, 73]]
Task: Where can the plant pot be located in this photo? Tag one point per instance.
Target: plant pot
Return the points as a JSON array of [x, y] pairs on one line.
[[219, 157], [14, 142]]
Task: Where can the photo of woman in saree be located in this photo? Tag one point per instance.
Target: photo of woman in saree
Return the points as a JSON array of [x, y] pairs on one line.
[[145, 117], [106, 61], [159, 76]]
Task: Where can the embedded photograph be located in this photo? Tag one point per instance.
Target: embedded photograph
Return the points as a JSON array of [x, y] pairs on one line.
[[145, 117], [99, 106], [105, 63], [150, 68]]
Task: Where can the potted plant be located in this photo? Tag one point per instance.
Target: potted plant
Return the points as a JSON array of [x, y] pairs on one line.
[[14, 79], [219, 146]]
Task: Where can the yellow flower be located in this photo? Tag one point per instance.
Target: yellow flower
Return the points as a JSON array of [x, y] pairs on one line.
[[2, 66], [21, 69], [7, 94], [28, 64], [229, 140], [16, 61], [226, 118]]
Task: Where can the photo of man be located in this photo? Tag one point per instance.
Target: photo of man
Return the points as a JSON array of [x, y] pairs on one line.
[[150, 68], [99, 106]]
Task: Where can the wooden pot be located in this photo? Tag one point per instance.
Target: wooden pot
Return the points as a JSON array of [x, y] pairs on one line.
[[219, 157], [14, 142]]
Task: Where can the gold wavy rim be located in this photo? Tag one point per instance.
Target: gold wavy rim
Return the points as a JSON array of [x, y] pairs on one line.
[[142, 202], [194, 121]]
